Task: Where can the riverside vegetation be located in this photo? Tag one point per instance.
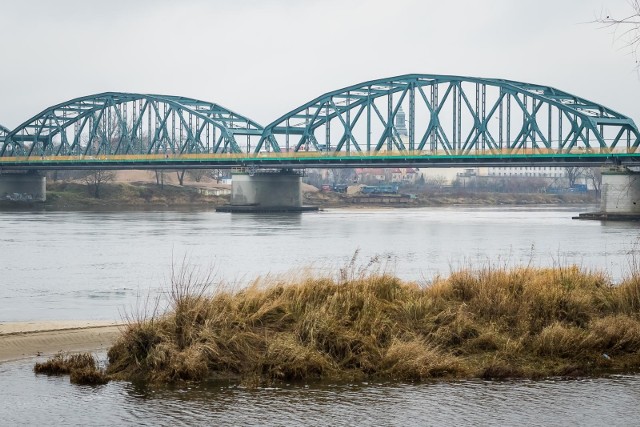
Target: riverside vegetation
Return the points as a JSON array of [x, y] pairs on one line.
[[63, 195], [492, 322]]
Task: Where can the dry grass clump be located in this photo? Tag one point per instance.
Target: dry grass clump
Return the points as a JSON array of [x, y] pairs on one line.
[[488, 323], [63, 364], [82, 368]]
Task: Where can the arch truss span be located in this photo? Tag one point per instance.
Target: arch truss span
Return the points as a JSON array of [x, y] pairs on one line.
[[449, 115], [115, 123]]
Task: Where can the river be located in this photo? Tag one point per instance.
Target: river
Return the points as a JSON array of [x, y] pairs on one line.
[[99, 265]]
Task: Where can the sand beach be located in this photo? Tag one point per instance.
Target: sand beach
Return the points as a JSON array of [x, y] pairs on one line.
[[22, 340]]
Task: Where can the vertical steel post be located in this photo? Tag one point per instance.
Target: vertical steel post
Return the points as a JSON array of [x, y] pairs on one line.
[[483, 124], [500, 119], [182, 148], [549, 126], [215, 140], [348, 128], [524, 120], [192, 144], [134, 129], [560, 140], [534, 123], [197, 134], [149, 125], [125, 123], [173, 130], [165, 133], [412, 116], [588, 138], [454, 138], [208, 140], [286, 136], [602, 126], [476, 119], [432, 138], [509, 143], [327, 128], [76, 137], [389, 121], [369, 119], [103, 140], [459, 112], [140, 116], [108, 133], [435, 105], [306, 142]]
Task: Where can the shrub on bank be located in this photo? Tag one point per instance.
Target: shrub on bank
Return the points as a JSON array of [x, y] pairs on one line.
[[488, 323]]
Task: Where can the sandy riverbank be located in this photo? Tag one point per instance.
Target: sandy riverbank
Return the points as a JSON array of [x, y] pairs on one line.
[[21, 340]]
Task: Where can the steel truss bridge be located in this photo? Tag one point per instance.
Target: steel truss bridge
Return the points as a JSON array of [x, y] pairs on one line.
[[416, 119]]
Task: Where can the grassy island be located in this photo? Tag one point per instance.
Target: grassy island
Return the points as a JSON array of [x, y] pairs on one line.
[[490, 323]]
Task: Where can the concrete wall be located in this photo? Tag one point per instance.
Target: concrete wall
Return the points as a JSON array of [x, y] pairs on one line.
[[23, 187], [266, 189], [620, 191]]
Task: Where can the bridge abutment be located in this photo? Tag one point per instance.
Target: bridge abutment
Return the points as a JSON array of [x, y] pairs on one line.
[[620, 191], [619, 197], [23, 187], [266, 191]]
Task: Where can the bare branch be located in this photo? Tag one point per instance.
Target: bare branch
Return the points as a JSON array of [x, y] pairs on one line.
[[625, 29]]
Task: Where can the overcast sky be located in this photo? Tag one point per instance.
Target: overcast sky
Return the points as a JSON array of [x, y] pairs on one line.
[[264, 58]]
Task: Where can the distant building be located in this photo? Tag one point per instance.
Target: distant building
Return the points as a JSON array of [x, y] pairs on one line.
[[401, 123], [444, 175], [524, 171], [396, 175]]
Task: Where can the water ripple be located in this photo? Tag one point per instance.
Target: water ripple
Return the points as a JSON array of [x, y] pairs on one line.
[[30, 399]]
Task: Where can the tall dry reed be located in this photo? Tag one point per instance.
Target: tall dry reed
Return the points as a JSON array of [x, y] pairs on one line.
[[491, 322]]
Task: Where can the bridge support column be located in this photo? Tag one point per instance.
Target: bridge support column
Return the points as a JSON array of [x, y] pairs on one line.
[[620, 191], [619, 197], [23, 187], [263, 191]]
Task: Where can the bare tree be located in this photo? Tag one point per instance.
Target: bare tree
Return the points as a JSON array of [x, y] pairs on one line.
[[344, 176], [573, 173], [626, 28], [594, 175], [437, 181], [160, 178], [52, 175], [180, 174], [96, 179], [197, 174]]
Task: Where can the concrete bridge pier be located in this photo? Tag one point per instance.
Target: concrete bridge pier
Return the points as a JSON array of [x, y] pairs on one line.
[[619, 197], [620, 191], [266, 191], [28, 186]]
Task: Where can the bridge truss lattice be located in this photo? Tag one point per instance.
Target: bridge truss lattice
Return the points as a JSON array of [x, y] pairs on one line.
[[115, 123], [416, 118], [450, 115]]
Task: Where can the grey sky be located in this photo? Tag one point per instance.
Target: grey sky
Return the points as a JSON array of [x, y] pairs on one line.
[[263, 58]]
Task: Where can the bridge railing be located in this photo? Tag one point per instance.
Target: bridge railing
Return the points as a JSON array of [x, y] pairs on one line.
[[176, 158]]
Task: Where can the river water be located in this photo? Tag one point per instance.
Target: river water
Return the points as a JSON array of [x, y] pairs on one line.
[[98, 265]]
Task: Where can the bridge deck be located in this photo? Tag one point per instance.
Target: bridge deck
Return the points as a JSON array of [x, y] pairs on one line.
[[321, 160]]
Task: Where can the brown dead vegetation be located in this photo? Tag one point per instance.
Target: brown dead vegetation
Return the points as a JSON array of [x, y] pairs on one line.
[[486, 323], [82, 368]]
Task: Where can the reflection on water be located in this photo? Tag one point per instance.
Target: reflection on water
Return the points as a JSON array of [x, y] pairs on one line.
[[41, 400], [69, 265]]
